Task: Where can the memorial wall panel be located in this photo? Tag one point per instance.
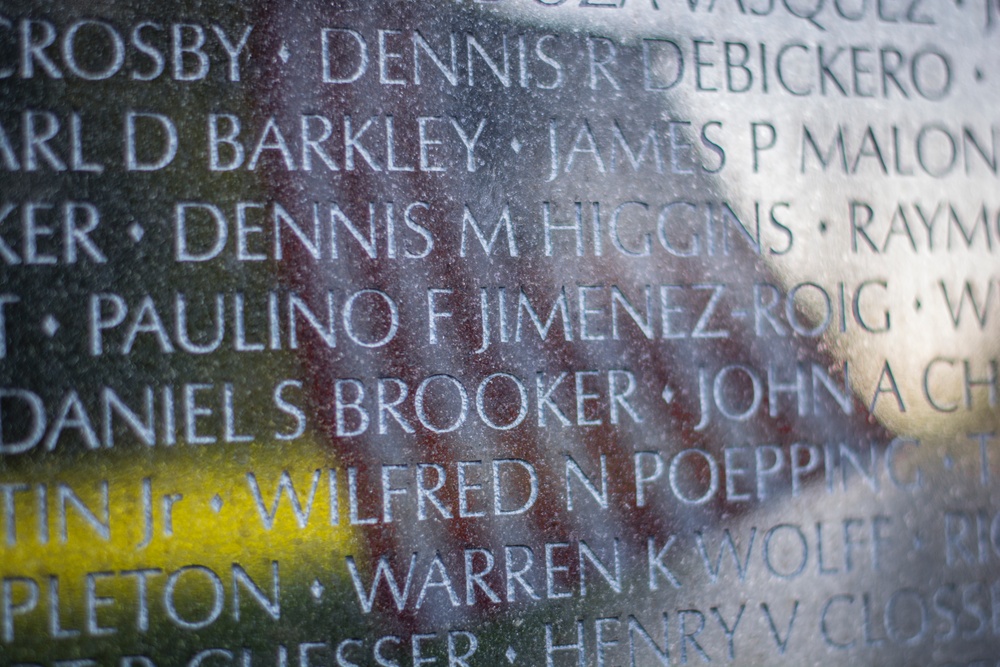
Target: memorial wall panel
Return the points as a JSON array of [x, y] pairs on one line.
[[499, 332]]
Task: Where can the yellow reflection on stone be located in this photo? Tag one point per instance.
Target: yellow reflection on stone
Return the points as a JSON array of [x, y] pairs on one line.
[[215, 536]]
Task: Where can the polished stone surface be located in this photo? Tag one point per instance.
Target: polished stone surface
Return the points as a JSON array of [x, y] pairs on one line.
[[512, 332]]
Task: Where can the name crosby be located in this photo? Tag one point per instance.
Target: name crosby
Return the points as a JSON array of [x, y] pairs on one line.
[[188, 52]]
